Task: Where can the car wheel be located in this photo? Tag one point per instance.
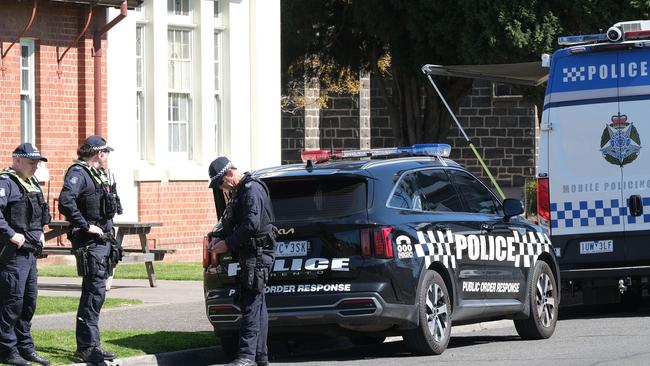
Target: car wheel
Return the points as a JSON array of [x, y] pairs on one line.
[[229, 344], [542, 299], [431, 337]]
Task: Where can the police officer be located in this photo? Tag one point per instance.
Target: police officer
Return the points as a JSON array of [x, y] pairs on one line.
[[89, 202], [23, 212], [251, 236]]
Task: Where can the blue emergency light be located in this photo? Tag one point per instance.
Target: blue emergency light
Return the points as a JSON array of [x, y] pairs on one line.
[[586, 38], [319, 156]]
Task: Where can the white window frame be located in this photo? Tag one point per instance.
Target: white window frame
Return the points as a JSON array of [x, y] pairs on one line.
[[220, 74], [141, 91], [28, 94], [174, 18], [181, 152]]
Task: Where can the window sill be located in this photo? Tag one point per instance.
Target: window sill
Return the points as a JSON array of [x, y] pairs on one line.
[[173, 171]]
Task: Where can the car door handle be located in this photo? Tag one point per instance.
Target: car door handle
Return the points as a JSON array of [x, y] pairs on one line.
[[441, 227], [485, 228], [635, 203]]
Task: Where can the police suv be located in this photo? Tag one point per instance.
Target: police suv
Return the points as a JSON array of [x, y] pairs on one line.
[[593, 168], [398, 241]]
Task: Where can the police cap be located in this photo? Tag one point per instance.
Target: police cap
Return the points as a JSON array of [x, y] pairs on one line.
[[97, 143], [218, 169], [29, 151]]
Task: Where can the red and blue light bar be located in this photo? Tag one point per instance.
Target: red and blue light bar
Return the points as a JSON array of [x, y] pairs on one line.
[[320, 156]]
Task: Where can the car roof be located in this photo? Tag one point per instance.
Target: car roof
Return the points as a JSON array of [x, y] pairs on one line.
[[370, 168]]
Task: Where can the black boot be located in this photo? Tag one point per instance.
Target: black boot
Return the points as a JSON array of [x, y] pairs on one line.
[[107, 355], [34, 357], [242, 361], [13, 358], [90, 354]]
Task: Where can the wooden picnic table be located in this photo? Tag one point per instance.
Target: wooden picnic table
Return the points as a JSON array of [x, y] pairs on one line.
[[142, 254]]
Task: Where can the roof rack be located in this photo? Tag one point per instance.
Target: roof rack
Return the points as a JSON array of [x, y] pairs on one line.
[[621, 31], [321, 156]]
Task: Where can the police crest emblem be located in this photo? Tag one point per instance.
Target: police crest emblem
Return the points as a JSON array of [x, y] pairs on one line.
[[620, 142]]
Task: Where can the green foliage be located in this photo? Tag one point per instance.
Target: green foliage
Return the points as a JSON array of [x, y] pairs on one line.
[[180, 271], [530, 198], [356, 35], [64, 304], [59, 345]]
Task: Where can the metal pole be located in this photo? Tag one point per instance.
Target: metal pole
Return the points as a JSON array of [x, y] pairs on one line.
[[471, 145]]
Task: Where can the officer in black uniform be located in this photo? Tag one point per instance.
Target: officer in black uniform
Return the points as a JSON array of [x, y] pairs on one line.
[[250, 234], [89, 202], [23, 212]]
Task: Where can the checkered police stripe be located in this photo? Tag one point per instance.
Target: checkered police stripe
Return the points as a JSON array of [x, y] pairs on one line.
[[573, 74], [436, 248], [595, 213]]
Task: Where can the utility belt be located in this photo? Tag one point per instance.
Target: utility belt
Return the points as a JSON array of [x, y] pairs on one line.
[[88, 263]]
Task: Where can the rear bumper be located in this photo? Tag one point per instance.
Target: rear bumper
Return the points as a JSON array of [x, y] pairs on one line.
[[590, 273], [353, 311]]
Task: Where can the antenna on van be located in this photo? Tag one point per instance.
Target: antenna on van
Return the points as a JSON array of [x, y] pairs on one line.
[[469, 142]]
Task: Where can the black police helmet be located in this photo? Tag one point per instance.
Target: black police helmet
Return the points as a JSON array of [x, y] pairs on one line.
[[29, 151]]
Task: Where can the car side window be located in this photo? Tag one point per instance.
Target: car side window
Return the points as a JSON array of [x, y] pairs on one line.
[[477, 197], [426, 190]]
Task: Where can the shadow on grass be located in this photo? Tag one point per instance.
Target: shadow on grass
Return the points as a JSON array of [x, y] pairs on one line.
[[58, 353], [156, 342]]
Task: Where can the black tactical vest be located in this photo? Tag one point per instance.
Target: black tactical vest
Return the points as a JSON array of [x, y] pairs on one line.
[[31, 212], [101, 204]]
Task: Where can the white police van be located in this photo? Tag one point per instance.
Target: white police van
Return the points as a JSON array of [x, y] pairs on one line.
[[594, 164]]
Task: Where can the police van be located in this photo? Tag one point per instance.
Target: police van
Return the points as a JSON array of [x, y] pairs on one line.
[[395, 241], [593, 171]]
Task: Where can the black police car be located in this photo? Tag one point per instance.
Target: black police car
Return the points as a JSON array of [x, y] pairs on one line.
[[404, 243]]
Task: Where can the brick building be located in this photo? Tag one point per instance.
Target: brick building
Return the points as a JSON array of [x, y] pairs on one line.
[[179, 83], [502, 126]]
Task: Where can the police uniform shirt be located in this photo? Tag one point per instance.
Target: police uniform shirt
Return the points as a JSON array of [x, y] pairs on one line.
[[79, 183], [10, 193], [250, 200]]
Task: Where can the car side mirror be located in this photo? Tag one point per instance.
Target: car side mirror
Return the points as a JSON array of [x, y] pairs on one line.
[[512, 207]]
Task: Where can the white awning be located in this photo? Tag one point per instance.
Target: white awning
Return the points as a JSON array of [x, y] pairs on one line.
[[525, 73]]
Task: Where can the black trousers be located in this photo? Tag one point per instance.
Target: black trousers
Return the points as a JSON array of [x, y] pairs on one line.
[[254, 325], [93, 293], [18, 292]]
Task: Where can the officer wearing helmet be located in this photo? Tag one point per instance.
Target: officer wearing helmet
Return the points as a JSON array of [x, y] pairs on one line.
[[250, 234], [23, 213], [89, 201]]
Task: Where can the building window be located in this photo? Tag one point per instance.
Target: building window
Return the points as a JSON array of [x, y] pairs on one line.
[[502, 90], [179, 114], [140, 118], [217, 10], [178, 7], [218, 90], [27, 92]]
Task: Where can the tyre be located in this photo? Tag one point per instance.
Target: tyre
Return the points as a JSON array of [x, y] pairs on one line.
[[229, 344], [431, 337], [542, 299]]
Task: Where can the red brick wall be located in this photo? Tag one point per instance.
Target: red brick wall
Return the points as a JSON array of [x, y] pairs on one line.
[[187, 211], [64, 104]]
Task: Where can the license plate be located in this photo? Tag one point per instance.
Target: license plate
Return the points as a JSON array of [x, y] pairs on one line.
[[595, 247], [297, 248]]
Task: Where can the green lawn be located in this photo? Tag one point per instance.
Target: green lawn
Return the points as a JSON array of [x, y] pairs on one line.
[[63, 304], [59, 345], [181, 271]]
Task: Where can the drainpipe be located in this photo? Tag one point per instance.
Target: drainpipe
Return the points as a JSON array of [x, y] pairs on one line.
[[97, 73]]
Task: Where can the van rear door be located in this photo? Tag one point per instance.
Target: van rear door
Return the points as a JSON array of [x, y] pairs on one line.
[[629, 139], [587, 209]]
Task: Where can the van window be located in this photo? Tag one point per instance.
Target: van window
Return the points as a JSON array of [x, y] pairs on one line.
[[425, 190], [317, 198], [476, 196]]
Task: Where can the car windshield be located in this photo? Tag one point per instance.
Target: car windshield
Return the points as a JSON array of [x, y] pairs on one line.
[[317, 197]]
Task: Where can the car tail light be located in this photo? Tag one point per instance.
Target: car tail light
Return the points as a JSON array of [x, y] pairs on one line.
[[543, 201], [365, 243], [208, 258], [383, 242]]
